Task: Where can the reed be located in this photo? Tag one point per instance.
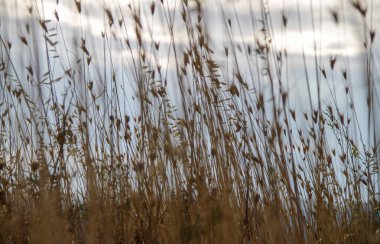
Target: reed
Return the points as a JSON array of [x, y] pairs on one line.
[[120, 136]]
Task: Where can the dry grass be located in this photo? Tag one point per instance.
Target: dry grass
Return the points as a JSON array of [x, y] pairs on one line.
[[100, 149]]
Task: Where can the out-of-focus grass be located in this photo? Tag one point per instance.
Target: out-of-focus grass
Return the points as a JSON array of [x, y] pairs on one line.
[[202, 153]]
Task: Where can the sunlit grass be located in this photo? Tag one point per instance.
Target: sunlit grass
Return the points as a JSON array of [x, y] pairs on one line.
[[130, 134]]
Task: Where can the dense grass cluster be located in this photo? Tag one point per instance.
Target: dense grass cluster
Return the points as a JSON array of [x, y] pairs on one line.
[[137, 139]]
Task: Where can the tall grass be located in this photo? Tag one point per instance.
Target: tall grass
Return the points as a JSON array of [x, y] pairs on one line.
[[137, 139]]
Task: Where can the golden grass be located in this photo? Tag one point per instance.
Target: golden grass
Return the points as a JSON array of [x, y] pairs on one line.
[[222, 159]]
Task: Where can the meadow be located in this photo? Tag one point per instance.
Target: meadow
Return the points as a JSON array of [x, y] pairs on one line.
[[188, 121]]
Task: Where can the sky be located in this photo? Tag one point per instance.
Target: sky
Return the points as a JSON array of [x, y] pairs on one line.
[[311, 30]]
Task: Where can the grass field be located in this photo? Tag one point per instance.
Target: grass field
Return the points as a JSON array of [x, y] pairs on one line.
[[160, 122]]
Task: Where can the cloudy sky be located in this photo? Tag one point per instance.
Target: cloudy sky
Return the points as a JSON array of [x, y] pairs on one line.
[[311, 30]]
